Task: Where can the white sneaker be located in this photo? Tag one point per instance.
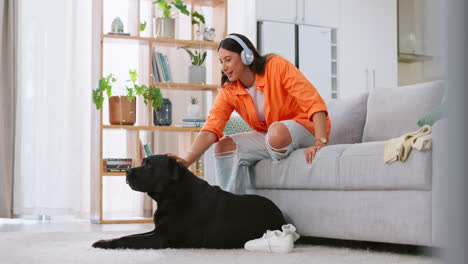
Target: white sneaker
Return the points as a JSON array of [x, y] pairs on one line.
[[274, 241], [290, 229]]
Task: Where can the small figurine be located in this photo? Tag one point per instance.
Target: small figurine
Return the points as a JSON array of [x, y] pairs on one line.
[[209, 34], [117, 25]]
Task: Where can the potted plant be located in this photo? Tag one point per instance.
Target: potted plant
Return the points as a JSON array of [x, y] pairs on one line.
[[193, 109], [122, 108], [142, 26], [196, 71], [165, 25], [162, 107], [162, 112]]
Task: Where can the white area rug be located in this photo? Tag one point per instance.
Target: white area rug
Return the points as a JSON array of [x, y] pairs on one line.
[[75, 247]]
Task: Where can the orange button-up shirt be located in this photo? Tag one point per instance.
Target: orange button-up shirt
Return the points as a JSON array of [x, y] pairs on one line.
[[288, 95]]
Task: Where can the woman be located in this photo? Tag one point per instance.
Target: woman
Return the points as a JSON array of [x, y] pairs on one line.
[[282, 107]]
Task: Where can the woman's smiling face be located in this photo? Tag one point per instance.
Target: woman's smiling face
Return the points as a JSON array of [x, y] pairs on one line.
[[231, 64]]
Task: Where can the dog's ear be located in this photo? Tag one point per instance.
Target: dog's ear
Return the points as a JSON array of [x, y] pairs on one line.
[[176, 169]]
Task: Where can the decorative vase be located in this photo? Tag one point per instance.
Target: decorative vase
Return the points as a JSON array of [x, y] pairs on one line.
[[165, 27], [122, 111], [196, 74], [209, 34], [193, 110], [117, 25], [163, 116]]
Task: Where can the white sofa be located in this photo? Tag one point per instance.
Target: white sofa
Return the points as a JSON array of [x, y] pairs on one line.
[[348, 192]]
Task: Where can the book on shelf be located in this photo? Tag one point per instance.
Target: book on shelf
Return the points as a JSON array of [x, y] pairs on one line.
[[115, 170], [117, 162], [190, 124], [155, 69], [119, 33], [159, 67], [118, 159], [163, 65], [118, 166], [190, 119], [147, 150], [161, 72], [168, 68]]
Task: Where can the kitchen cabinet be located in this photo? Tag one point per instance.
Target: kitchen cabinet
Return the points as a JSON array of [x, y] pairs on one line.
[[368, 45], [309, 12], [310, 48]]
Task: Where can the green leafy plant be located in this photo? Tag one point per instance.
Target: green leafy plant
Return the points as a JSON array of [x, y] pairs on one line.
[[198, 57], [197, 18], [153, 94], [143, 26], [193, 100], [132, 90], [105, 85], [149, 93], [166, 7]]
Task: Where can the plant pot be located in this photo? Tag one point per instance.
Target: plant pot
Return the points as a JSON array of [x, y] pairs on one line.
[[193, 110], [196, 74], [122, 111], [163, 116], [165, 27]]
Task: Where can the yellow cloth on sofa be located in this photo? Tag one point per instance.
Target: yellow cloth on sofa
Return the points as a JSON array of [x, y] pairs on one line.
[[398, 149]]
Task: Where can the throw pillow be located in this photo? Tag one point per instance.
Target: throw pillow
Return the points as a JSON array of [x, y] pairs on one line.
[[392, 112], [236, 125], [347, 116], [437, 113]]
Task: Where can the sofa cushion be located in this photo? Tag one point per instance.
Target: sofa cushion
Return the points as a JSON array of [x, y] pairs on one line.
[[346, 167], [294, 173], [394, 112], [362, 167], [347, 116]]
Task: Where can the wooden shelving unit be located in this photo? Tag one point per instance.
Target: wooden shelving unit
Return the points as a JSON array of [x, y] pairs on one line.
[[219, 22]]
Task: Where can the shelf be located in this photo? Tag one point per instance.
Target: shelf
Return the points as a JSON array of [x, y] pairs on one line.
[[153, 128], [137, 134], [137, 221], [165, 41], [120, 174], [204, 2], [199, 174], [185, 86], [208, 2], [105, 173], [411, 58]]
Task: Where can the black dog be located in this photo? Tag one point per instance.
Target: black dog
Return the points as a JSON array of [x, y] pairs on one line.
[[193, 214]]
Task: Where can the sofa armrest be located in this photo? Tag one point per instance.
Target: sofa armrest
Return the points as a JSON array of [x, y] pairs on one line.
[[440, 154]]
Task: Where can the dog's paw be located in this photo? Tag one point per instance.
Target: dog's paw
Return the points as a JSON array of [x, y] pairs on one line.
[[105, 244]]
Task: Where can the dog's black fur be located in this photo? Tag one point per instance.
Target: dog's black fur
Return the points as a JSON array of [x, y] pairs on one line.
[[193, 214]]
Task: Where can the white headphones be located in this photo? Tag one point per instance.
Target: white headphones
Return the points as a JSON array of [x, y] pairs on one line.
[[246, 54]]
